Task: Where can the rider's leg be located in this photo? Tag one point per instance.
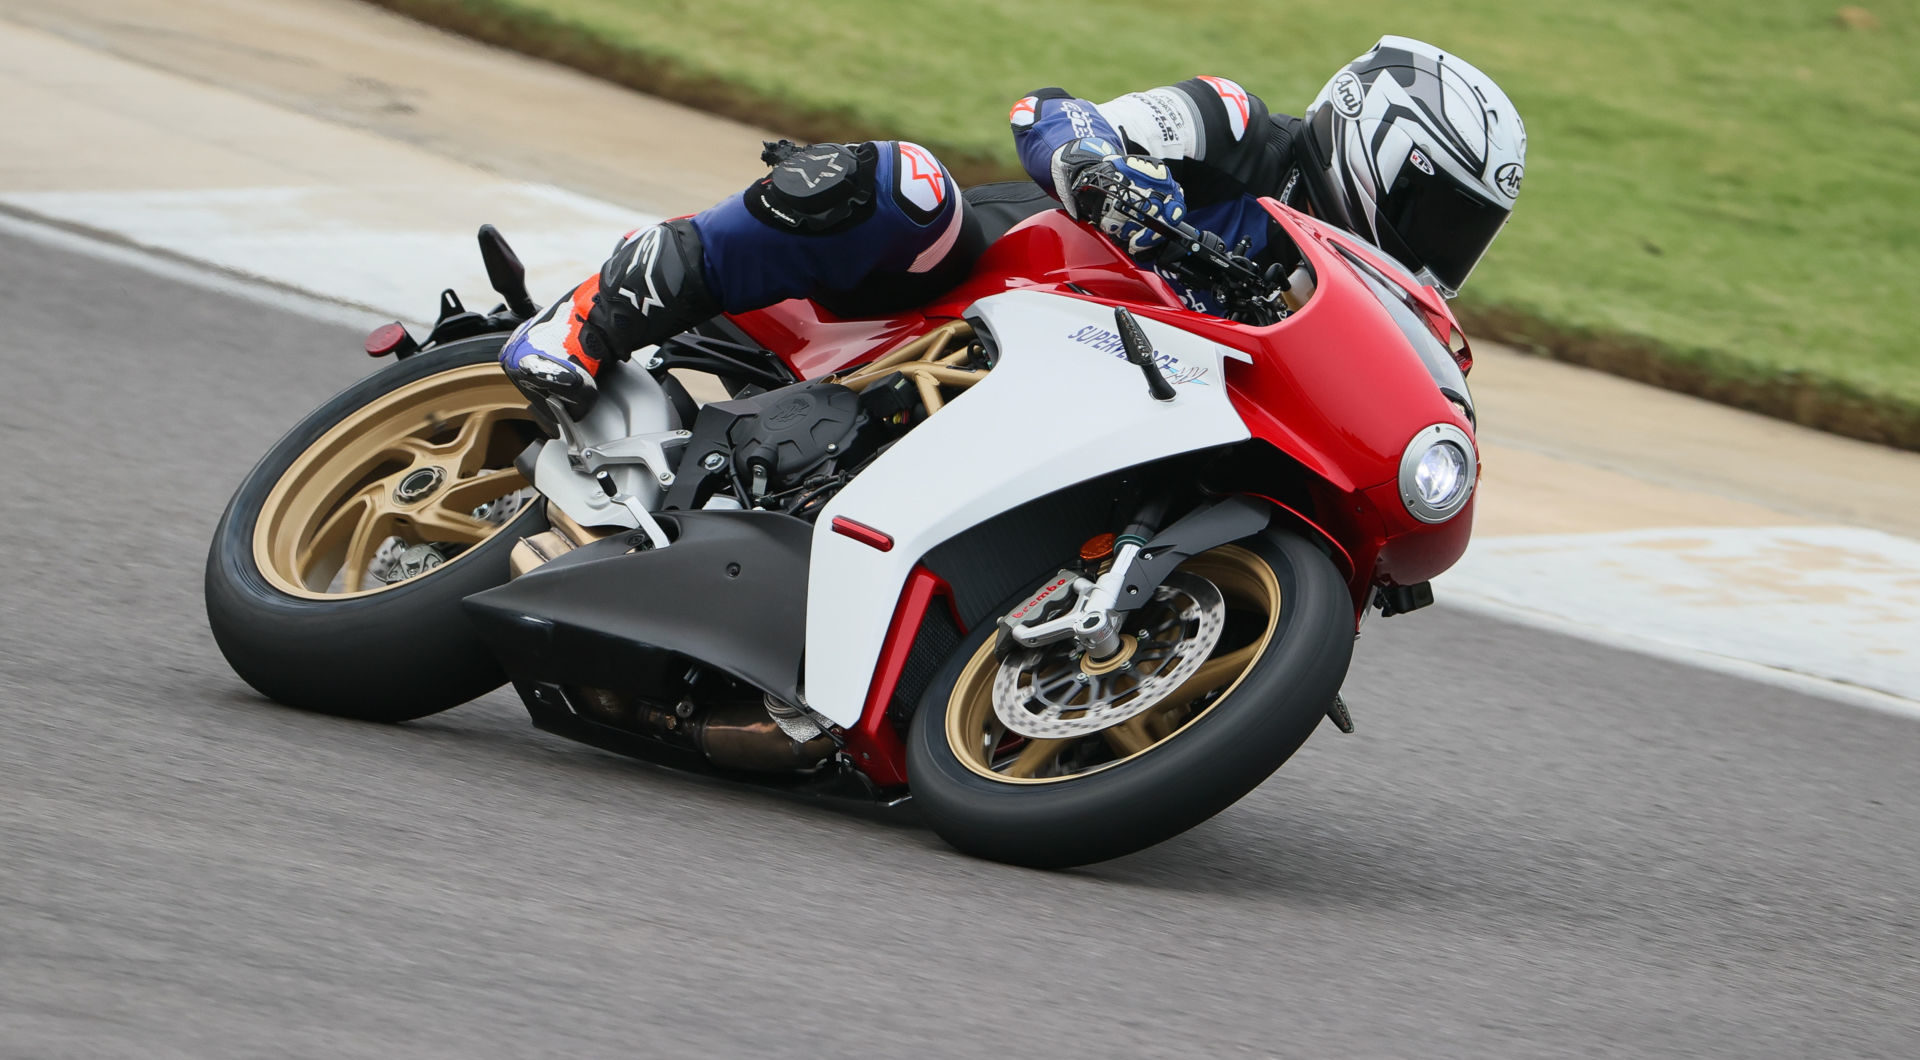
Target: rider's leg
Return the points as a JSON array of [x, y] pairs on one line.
[[830, 219], [651, 289]]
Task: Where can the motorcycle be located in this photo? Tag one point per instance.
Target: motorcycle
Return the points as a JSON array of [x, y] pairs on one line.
[[1069, 564]]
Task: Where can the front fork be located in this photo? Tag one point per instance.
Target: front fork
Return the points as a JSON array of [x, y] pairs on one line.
[[1141, 560], [1092, 620]]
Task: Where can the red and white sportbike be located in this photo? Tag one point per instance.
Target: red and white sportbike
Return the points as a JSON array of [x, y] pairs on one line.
[[1072, 566]]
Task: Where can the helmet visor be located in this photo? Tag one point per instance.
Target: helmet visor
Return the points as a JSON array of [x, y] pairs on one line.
[[1439, 226]]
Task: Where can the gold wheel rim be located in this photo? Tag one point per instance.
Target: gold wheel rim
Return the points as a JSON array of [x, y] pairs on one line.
[[978, 739], [414, 463]]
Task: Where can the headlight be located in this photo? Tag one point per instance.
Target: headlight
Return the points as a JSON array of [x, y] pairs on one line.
[[1437, 473]]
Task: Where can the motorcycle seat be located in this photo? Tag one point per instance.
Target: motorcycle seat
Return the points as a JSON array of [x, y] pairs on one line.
[[999, 206]]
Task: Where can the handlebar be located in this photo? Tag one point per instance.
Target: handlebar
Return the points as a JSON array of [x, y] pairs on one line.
[[1202, 259]]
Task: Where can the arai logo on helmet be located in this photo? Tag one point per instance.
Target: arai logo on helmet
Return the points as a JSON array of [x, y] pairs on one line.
[[1348, 94], [1508, 177]]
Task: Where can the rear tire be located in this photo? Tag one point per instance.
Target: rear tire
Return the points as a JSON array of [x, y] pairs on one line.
[[385, 653], [1225, 746]]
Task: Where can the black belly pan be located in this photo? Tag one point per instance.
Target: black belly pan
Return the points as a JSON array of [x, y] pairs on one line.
[[729, 592]]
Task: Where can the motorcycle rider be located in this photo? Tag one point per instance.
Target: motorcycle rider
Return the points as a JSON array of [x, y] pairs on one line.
[[1407, 146]]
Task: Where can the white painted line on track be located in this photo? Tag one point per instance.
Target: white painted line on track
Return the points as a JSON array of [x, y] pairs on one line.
[[1832, 604], [195, 273], [1457, 597], [392, 248]]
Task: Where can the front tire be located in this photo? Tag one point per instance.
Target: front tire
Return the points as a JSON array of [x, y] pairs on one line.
[[1056, 803], [409, 468]]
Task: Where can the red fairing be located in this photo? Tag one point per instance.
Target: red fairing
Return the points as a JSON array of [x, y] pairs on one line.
[[814, 342], [1336, 387], [1434, 308], [1049, 250], [873, 742], [1052, 250]]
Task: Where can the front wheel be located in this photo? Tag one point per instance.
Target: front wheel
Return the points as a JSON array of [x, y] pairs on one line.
[[1093, 778], [335, 577]]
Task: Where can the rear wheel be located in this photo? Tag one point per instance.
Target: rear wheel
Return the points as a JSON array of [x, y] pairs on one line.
[[335, 576], [1253, 640]]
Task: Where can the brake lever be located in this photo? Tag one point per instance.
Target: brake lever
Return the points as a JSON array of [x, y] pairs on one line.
[[1205, 257], [1186, 243]]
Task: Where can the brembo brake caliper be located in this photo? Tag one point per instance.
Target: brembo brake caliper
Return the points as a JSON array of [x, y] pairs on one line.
[[1090, 619], [1099, 607]]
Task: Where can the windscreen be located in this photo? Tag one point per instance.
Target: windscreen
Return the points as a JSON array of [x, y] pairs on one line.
[[1432, 352]]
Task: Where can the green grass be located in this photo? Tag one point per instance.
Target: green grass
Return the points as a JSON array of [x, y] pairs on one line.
[[1728, 190]]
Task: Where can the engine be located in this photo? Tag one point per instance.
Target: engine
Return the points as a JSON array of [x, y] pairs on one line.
[[760, 448], [789, 450], [793, 448]]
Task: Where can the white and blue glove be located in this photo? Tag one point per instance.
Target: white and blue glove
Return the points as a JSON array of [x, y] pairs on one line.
[[1093, 176]]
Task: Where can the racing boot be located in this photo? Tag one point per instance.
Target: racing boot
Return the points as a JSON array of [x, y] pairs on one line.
[[650, 290]]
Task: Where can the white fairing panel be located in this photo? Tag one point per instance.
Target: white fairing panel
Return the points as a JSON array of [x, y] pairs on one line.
[[1062, 406]]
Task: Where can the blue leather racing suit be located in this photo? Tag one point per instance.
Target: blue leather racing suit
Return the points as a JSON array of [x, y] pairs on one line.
[[880, 226]]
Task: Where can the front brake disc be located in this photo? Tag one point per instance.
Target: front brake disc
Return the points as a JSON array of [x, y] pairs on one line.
[[1054, 692]]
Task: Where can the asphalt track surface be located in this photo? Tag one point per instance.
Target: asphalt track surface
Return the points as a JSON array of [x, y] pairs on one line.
[[1533, 847]]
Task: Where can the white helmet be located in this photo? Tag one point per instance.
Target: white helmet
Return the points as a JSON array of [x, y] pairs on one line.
[[1425, 152]]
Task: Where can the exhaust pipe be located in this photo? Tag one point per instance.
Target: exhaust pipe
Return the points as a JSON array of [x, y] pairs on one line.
[[742, 734]]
